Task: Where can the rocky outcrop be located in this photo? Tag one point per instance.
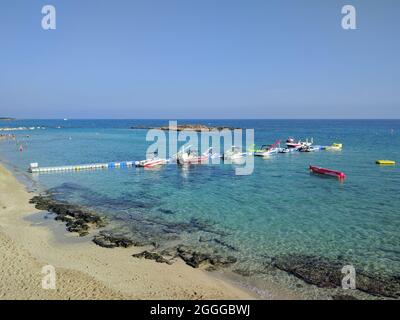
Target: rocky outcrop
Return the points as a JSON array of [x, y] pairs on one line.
[[153, 256], [187, 127], [311, 269], [343, 297], [218, 242], [326, 273], [108, 239], [77, 219], [192, 257], [166, 211], [196, 259]]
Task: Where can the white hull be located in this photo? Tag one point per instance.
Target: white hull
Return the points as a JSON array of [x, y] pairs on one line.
[[266, 153], [234, 156], [150, 163]]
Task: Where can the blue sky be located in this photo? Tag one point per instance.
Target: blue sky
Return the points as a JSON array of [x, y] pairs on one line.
[[200, 59]]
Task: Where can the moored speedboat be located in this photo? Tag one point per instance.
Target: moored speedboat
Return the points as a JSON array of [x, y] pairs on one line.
[[288, 150], [309, 149], [234, 153], [148, 163], [291, 143], [191, 157], [267, 150]]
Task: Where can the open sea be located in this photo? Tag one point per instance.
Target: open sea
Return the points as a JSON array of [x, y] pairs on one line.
[[281, 209]]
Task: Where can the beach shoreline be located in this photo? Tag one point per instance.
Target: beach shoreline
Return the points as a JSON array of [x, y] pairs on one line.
[[211, 258], [85, 270]]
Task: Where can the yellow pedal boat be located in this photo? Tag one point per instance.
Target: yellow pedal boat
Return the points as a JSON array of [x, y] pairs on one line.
[[335, 146], [385, 162]]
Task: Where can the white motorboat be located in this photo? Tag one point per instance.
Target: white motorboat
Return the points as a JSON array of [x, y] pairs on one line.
[[152, 162], [267, 150], [292, 144], [287, 150], [309, 148], [188, 156], [234, 153]]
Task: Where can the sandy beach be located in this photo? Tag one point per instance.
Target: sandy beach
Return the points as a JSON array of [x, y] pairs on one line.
[[84, 270]]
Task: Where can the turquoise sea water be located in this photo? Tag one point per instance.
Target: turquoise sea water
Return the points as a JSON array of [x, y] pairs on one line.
[[280, 209]]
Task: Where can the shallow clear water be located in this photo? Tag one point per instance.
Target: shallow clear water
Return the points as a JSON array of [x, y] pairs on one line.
[[280, 208]]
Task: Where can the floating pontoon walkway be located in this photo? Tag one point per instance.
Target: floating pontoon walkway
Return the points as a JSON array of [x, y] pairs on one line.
[[34, 167]]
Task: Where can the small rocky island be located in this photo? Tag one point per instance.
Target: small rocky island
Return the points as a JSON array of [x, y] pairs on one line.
[[187, 127], [6, 119]]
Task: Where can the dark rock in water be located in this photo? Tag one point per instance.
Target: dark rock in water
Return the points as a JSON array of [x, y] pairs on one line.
[[218, 241], [387, 286], [226, 245], [204, 225], [312, 269], [77, 219], [67, 187], [104, 242], [159, 229], [326, 273], [200, 224], [108, 240], [169, 252], [79, 226], [166, 211], [195, 259], [125, 202], [243, 272], [152, 256], [204, 239], [343, 297]]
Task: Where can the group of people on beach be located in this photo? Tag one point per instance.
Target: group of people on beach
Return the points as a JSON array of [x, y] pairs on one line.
[[11, 136], [7, 136]]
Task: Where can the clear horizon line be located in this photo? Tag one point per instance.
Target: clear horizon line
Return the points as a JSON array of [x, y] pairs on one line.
[[173, 118]]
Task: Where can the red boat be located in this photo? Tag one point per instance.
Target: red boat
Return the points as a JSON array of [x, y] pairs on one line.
[[328, 172]]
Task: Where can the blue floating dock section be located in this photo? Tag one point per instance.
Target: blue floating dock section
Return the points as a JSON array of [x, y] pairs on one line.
[[34, 167]]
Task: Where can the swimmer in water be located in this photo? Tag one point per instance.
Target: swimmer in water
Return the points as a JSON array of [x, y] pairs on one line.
[[21, 148]]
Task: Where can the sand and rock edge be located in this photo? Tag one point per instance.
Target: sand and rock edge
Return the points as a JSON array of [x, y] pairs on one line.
[[319, 271]]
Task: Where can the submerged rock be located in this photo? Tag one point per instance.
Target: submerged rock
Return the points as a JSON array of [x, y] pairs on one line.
[[166, 211], [387, 286], [79, 226], [311, 269], [77, 219], [124, 201], [152, 256], [196, 259], [343, 297], [109, 240], [326, 273], [197, 224], [244, 272], [219, 242]]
